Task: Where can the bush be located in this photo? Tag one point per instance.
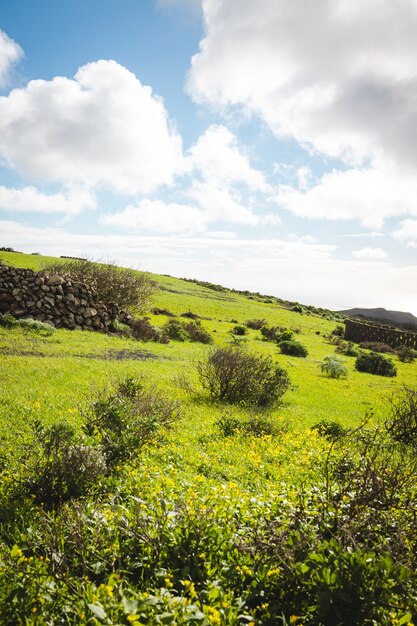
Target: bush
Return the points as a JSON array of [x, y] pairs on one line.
[[235, 375], [40, 328], [402, 423], [239, 330], [293, 348], [406, 354], [377, 346], [374, 363], [347, 348], [125, 287], [62, 467], [256, 324], [339, 331], [276, 333], [333, 367], [196, 332], [143, 330], [330, 430], [175, 330], [125, 418]]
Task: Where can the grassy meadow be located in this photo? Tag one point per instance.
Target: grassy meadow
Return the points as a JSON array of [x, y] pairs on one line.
[[262, 525]]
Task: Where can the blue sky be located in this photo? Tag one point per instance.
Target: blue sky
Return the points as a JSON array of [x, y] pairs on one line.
[[266, 146]]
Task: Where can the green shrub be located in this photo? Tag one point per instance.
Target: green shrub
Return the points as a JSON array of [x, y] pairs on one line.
[[236, 375], [377, 346], [143, 330], [374, 363], [28, 324], [293, 348], [406, 354], [196, 332], [123, 419], [256, 324], [347, 348], [239, 330], [175, 330], [329, 429], [126, 287], [333, 367], [402, 422], [276, 333]]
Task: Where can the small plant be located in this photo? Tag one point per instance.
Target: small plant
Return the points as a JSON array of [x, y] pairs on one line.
[[402, 423], [40, 328], [374, 363], [197, 332], [339, 331], [125, 418], [239, 330], [175, 330], [333, 367], [276, 333], [143, 330], [347, 348], [235, 375], [228, 424], [293, 348], [256, 324], [329, 429], [377, 346], [406, 354]]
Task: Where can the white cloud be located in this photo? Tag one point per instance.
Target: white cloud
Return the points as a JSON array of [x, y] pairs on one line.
[[101, 128], [221, 163], [407, 233], [10, 53], [369, 253], [219, 205], [369, 196], [338, 75], [31, 200], [159, 217]]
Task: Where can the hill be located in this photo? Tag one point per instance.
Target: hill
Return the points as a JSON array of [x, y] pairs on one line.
[[131, 495], [396, 318]]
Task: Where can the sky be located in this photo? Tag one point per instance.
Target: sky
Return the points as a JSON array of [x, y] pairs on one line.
[[268, 145]]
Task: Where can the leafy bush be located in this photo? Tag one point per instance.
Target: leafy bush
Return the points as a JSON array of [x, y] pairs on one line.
[[239, 330], [347, 348], [125, 287], [123, 419], [196, 332], [293, 348], [406, 354], [333, 367], [276, 333], [374, 363], [329, 429], [255, 425], [235, 375], [62, 467], [175, 330], [339, 331], [402, 422], [143, 330], [256, 324], [377, 346]]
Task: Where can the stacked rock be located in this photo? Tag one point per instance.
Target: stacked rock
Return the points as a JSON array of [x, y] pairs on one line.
[[52, 299]]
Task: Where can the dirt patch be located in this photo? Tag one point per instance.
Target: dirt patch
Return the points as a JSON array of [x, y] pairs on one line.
[[122, 355]]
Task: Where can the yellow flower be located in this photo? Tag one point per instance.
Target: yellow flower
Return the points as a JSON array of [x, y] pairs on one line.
[[293, 619]]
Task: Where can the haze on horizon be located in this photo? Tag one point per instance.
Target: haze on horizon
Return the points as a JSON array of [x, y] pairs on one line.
[[268, 146]]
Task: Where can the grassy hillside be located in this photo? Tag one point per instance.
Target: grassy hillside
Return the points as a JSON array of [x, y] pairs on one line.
[[186, 531]]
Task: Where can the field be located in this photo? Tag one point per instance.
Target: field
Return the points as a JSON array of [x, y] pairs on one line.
[[227, 515]]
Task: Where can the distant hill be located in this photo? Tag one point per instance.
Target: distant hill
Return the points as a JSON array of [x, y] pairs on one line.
[[393, 318]]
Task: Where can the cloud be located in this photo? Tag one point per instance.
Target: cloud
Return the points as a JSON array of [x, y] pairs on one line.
[[338, 76], [219, 205], [31, 200], [10, 53], [369, 253], [369, 196], [407, 233], [159, 217], [101, 128], [221, 163]]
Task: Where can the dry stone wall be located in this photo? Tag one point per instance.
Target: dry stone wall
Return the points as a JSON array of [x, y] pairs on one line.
[[62, 303], [363, 331]]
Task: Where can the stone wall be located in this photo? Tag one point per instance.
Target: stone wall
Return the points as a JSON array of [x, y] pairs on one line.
[[366, 331], [62, 303]]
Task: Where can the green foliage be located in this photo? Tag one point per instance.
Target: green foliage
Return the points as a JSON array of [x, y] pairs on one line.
[[239, 330], [377, 346], [402, 422], [330, 429], [256, 425], [276, 333], [143, 330], [174, 329], [256, 324], [347, 348], [374, 363], [125, 287], [123, 419], [339, 331], [181, 331], [333, 367], [293, 348], [406, 354], [236, 375]]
